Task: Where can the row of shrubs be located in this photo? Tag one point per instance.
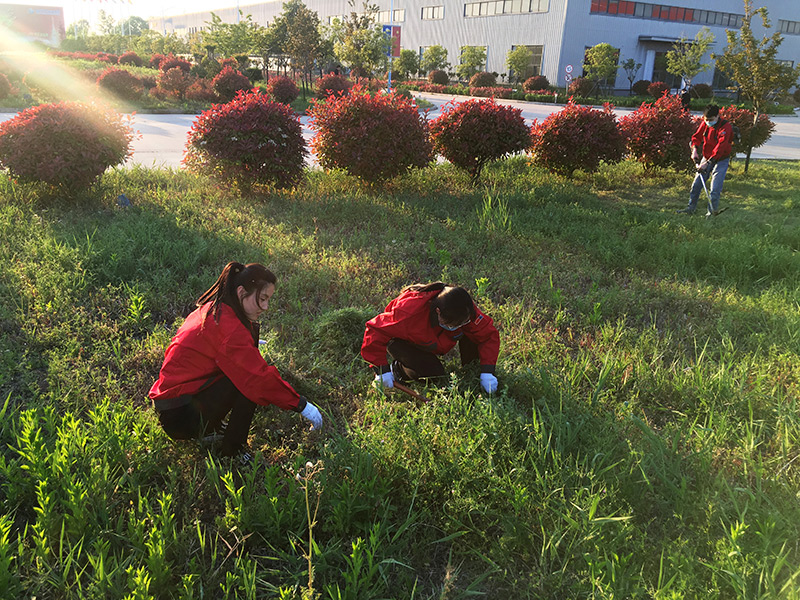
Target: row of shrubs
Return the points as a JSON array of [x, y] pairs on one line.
[[253, 140]]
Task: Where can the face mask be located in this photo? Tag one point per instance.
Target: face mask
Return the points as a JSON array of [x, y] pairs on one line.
[[711, 122]]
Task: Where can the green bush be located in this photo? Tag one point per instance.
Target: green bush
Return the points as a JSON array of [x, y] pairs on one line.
[[702, 90], [5, 87]]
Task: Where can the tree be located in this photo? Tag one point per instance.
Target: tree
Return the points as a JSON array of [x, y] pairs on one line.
[[303, 38], [685, 58], [472, 60], [518, 60], [631, 68], [231, 39], [359, 42], [270, 42], [407, 63], [601, 63], [152, 42], [106, 22], [434, 58], [752, 65], [79, 29], [134, 26]]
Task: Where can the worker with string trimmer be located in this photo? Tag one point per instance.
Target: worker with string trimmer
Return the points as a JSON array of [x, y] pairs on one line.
[[711, 151]]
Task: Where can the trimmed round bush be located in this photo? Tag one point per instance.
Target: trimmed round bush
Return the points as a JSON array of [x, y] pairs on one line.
[[111, 59], [536, 83], [173, 62], [576, 137], [483, 79], [332, 84], [753, 135], [581, 86], [201, 90], [121, 83], [658, 134], [372, 136], [156, 60], [130, 58], [174, 82], [640, 87], [5, 87], [473, 133], [250, 140], [657, 89], [68, 145], [438, 77], [282, 89], [230, 82], [702, 90]]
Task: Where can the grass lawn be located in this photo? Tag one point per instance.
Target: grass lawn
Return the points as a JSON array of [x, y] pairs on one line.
[[643, 443]]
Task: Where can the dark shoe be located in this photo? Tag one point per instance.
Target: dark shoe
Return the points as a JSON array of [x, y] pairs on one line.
[[685, 211], [711, 213], [399, 373]]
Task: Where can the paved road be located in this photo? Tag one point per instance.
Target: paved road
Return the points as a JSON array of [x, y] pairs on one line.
[[163, 137]]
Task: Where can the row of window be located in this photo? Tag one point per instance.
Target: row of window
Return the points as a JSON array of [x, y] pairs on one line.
[[505, 7], [431, 13], [662, 12], [382, 16], [791, 27], [534, 66]]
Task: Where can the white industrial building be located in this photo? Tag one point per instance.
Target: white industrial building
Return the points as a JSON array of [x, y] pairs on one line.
[[558, 31]]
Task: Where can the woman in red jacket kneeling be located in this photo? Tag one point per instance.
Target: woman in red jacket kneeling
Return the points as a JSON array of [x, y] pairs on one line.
[[213, 369], [424, 321]]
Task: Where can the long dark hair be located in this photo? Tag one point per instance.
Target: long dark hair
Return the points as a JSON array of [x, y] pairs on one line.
[[253, 277], [454, 303]]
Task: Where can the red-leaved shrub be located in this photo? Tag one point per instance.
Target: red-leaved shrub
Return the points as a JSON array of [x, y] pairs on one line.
[[640, 87], [536, 83], [173, 62], [121, 83], [472, 133], [229, 82], [657, 89], [282, 89], [174, 82], [658, 134], [249, 140], [111, 59], [200, 90], [434, 88], [332, 84], [490, 92], [581, 86], [438, 77], [576, 137], [753, 135], [130, 58], [156, 60], [373, 137], [69, 144], [5, 86], [482, 79]]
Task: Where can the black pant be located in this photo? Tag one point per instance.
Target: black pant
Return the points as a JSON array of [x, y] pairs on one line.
[[205, 412], [417, 363]]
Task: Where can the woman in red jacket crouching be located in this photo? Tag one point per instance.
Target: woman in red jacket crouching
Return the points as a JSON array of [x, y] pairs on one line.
[[424, 321], [213, 369]]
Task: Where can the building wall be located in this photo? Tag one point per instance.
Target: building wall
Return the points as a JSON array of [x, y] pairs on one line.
[[565, 30], [35, 23]]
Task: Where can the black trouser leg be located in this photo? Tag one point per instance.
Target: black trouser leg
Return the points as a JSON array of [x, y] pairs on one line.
[[468, 350], [415, 362]]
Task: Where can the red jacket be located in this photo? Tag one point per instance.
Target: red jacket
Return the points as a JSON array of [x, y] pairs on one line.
[[716, 141], [408, 317], [203, 351]]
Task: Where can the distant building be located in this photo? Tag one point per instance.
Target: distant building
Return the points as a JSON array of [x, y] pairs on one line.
[[34, 23], [557, 31]]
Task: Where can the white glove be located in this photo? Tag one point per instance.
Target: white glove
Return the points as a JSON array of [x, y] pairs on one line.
[[312, 413], [488, 383], [386, 380]]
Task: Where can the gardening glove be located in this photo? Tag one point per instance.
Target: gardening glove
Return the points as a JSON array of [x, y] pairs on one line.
[[703, 167], [312, 413], [385, 380], [488, 383]]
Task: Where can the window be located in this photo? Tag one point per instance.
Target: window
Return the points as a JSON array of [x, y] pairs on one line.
[[506, 7], [534, 66], [431, 13], [790, 27], [661, 12], [383, 16]]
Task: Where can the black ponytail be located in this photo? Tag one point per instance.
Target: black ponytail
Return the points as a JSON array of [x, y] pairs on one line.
[[253, 277], [454, 303]]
